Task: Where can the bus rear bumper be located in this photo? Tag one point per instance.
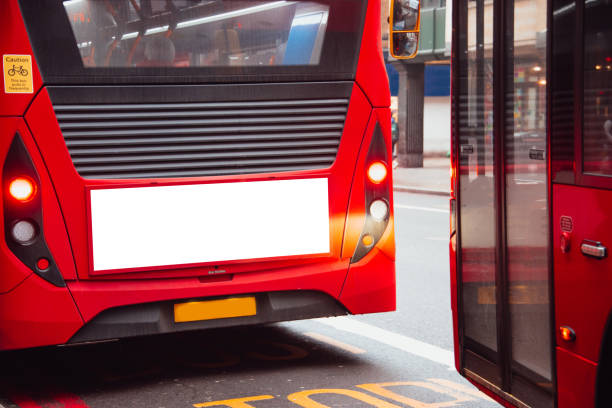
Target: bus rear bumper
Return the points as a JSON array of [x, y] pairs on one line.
[[159, 317], [36, 313]]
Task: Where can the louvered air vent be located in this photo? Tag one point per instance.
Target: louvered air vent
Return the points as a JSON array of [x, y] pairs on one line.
[[111, 141]]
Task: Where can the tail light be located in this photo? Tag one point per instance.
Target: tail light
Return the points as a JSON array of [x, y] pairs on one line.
[[23, 218], [377, 195], [22, 189], [377, 172]]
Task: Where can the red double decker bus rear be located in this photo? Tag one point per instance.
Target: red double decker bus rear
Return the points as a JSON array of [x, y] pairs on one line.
[[181, 165]]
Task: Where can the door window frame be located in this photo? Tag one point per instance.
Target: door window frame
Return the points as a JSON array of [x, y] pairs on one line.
[[581, 178]]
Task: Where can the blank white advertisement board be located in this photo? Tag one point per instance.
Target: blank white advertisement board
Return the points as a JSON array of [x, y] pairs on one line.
[[140, 227]]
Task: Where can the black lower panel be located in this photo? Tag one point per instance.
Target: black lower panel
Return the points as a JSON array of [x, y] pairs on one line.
[[157, 318], [533, 395], [523, 393], [486, 369]]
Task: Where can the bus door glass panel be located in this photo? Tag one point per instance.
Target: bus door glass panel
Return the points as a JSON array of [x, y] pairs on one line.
[[197, 33], [476, 179], [597, 114], [526, 195], [518, 362]]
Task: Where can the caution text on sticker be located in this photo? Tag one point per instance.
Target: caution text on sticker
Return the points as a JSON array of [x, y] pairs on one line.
[[17, 73]]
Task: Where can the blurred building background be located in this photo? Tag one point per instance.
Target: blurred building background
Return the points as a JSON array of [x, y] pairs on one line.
[[420, 87]]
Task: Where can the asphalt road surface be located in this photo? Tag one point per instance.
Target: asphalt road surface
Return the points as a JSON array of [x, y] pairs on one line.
[[389, 360]]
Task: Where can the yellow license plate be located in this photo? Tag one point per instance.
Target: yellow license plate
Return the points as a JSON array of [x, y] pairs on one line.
[[214, 309]]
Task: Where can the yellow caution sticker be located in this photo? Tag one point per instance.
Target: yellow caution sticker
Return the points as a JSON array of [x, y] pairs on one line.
[[18, 76]]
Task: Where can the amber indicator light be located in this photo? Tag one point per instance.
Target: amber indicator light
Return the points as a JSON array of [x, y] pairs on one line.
[[377, 172], [22, 189], [567, 333], [367, 240]]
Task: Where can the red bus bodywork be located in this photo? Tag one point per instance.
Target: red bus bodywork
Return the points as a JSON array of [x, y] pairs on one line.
[[34, 312]]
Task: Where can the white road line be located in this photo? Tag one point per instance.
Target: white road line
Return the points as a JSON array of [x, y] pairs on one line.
[[334, 342], [399, 341], [412, 207]]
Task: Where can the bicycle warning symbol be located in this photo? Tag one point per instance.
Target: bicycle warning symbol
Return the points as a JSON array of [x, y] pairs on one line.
[[17, 73]]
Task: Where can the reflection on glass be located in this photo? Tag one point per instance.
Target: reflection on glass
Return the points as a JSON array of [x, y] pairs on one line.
[[197, 33], [526, 192], [478, 219], [562, 89], [597, 130], [405, 15], [405, 44]]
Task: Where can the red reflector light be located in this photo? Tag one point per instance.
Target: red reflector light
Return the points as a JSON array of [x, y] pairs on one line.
[[377, 172], [42, 264], [22, 189]]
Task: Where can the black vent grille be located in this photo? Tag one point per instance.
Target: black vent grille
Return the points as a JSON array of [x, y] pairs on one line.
[[151, 140]]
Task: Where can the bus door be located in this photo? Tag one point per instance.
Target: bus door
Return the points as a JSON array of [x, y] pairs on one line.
[[500, 150]]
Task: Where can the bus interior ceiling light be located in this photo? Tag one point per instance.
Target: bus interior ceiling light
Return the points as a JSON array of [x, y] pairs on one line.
[[235, 13], [71, 2], [377, 172], [22, 189], [157, 30]]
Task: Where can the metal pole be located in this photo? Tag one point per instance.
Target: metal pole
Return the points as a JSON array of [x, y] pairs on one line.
[[411, 99]]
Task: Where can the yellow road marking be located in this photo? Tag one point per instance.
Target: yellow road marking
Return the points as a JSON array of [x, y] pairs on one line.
[[302, 398], [334, 342], [461, 394], [381, 390], [236, 402]]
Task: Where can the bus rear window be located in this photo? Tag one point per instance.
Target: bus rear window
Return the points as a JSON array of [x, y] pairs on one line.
[[197, 33]]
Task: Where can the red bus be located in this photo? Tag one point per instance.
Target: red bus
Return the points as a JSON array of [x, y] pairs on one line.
[[531, 187], [187, 164]]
